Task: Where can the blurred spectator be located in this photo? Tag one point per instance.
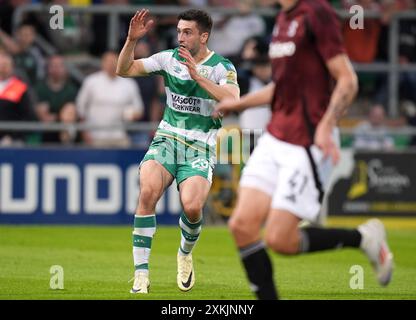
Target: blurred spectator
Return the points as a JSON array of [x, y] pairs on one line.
[[409, 110], [28, 58], [15, 102], [75, 35], [68, 115], [106, 99], [407, 53], [55, 93], [253, 48], [256, 119], [149, 90], [372, 134], [230, 32], [7, 8]]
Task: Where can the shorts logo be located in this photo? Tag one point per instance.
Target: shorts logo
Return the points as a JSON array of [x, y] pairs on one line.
[[200, 164]]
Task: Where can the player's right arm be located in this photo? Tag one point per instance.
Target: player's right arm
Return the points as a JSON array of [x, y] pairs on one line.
[[126, 65], [249, 100]]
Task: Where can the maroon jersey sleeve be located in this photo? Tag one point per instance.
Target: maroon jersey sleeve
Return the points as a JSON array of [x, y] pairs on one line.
[[326, 30]]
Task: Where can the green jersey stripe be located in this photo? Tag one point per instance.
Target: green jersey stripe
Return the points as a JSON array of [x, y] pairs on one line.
[[145, 221], [186, 87]]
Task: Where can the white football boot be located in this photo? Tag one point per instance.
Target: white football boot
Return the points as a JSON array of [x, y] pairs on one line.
[[141, 283], [374, 245], [186, 273]]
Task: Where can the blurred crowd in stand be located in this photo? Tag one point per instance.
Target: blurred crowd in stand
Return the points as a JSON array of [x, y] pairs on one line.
[[39, 86]]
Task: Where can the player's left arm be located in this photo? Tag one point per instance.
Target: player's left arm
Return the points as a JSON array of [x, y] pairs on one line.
[[216, 91], [344, 93]]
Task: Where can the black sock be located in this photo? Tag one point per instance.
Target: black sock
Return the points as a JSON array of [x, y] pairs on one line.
[[318, 239], [259, 271]]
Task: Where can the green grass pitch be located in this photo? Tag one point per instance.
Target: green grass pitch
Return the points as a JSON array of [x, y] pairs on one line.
[[97, 263]]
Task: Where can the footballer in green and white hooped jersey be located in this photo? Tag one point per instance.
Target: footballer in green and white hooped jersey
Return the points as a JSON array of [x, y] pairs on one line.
[[184, 146], [187, 124]]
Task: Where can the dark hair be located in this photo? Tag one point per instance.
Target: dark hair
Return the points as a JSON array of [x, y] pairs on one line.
[[202, 19]]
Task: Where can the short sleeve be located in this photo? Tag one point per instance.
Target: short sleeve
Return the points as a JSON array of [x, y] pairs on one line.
[[227, 73], [327, 31], [155, 63]]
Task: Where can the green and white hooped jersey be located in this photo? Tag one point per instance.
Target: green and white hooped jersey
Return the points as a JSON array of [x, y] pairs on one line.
[[187, 116]]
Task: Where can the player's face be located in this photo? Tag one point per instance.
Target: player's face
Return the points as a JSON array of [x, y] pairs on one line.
[[189, 36]]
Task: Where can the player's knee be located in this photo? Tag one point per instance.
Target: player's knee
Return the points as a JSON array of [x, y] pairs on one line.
[[148, 197], [193, 210], [282, 245]]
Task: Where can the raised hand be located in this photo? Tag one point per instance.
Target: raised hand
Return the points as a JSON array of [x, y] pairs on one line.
[[138, 25]]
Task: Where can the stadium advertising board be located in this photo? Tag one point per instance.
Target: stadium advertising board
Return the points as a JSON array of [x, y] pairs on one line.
[[375, 184], [79, 186]]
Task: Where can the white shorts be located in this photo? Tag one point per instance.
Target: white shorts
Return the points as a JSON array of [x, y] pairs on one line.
[[295, 177]]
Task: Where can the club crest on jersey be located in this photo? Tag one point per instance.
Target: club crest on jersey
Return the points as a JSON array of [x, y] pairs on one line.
[[203, 72]]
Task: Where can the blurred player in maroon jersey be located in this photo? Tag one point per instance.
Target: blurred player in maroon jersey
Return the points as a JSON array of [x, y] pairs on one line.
[[284, 180]]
